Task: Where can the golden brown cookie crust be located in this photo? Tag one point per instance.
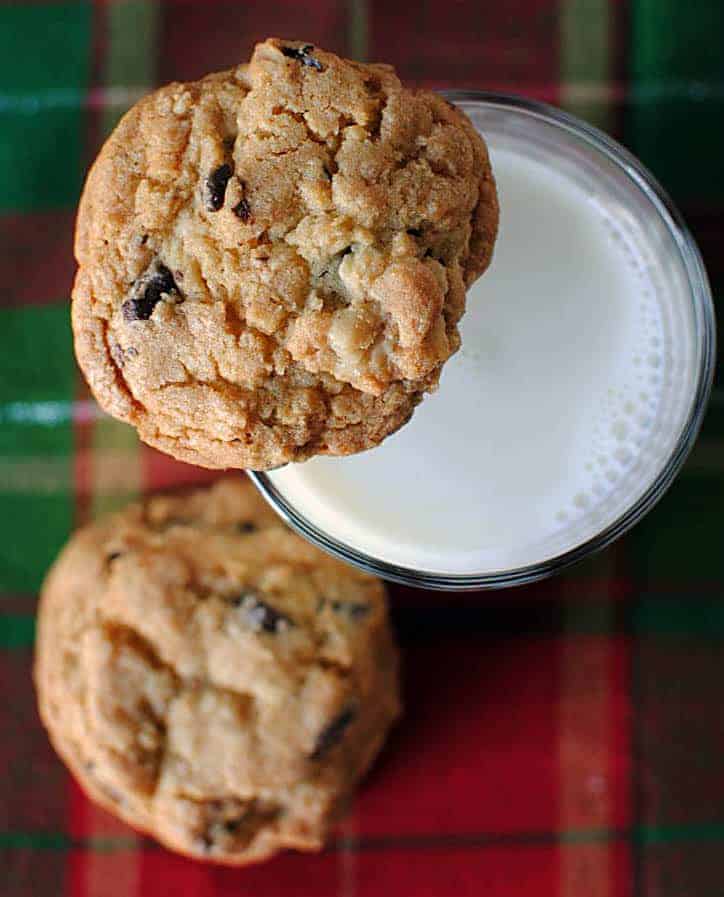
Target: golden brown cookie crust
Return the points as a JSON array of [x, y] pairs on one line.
[[273, 260], [210, 677]]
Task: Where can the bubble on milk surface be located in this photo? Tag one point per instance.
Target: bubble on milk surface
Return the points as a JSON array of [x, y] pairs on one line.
[[623, 455]]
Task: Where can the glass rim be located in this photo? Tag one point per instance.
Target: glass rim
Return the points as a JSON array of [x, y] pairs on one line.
[[705, 330]]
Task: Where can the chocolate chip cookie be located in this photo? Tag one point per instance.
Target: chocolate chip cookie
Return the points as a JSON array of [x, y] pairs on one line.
[[273, 260], [210, 677]]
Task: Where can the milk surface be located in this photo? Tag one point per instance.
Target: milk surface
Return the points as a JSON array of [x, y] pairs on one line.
[[558, 411]]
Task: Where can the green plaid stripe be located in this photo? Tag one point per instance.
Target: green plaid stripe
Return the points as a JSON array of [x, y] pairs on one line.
[[585, 36], [129, 65], [16, 631], [108, 472], [36, 441], [680, 541], [677, 68], [130, 60], [358, 31], [643, 834], [674, 123], [44, 55], [588, 663], [646, 835]]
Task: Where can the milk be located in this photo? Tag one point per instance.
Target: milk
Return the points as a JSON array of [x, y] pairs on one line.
[[558, 412]]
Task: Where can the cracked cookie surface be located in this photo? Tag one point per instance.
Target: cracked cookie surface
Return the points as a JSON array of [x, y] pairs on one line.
[[210, 677], [273, 260]]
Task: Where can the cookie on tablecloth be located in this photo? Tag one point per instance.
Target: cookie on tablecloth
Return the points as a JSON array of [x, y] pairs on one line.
[[210, 677]]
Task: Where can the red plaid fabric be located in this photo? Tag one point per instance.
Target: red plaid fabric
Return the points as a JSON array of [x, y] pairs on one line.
[[563, 739]]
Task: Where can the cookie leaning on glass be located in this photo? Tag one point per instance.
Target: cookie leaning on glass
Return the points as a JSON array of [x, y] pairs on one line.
[[273, 260], [210, 677]]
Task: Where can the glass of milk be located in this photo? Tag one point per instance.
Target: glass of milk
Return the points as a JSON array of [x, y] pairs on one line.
[[586, 363]]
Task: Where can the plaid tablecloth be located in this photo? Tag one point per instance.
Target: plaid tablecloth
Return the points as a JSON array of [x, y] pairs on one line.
[[564, 739]]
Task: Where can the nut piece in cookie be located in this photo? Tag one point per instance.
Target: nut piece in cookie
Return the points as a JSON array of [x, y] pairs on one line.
[[211, 678], [273, 260]]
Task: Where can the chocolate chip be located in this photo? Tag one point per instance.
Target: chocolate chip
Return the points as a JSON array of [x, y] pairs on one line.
[[414, 231], [215, 187], [144, 239], [333, 733], [261, 617], [135, 310], [242, 210], [246, 527], [353, 609], [373, 84], [162, 281], [149, 292], [302, 54], [266, 618]]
